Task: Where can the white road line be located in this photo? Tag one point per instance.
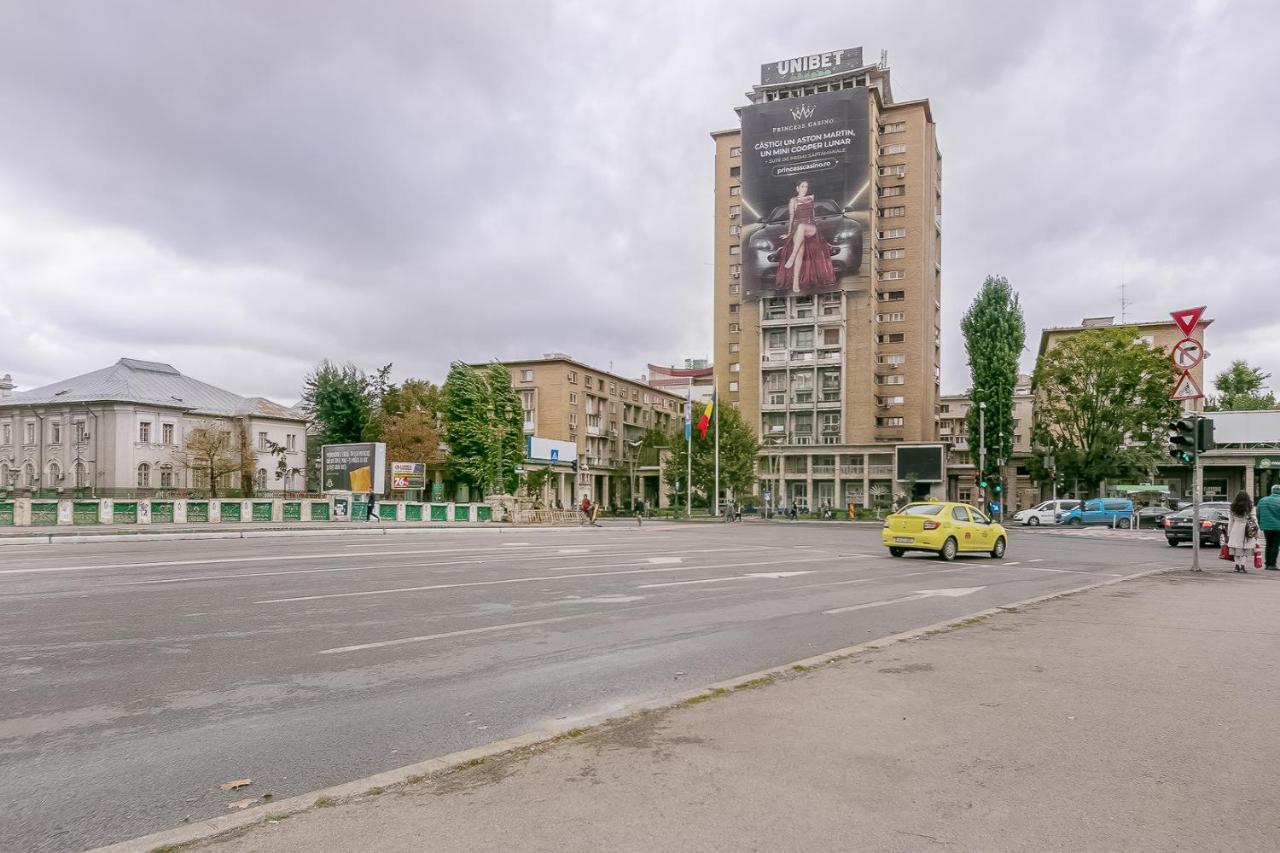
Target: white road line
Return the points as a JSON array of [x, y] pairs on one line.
[[466, 632], [1036, 560], [522, 580], [665, 561], [955, 592], [1014, 563], [752, 576]]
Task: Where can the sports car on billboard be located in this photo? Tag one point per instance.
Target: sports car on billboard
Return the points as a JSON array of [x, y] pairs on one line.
[[841, 233]]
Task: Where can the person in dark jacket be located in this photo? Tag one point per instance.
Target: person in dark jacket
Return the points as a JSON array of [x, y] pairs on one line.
[[373, 509], [1269, 521]]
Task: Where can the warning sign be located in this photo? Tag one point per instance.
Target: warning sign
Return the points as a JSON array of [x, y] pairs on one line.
[[1186, 388]]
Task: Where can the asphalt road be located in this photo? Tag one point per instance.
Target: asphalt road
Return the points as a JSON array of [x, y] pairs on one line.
[[137, 677]]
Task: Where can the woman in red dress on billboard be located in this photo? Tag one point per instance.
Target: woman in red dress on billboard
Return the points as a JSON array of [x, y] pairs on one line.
[[805, 260]]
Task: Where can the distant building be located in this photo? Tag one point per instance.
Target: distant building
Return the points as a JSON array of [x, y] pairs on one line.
[[124, 428], [696, 379], [962, 451]]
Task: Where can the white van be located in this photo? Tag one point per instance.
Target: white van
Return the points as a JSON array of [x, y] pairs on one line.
[[1045, 513]]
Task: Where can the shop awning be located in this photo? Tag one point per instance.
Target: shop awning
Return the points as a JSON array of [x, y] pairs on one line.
[[1147, 489]]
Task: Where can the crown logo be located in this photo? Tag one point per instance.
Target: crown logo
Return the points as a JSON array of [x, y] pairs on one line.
[[802, 111]]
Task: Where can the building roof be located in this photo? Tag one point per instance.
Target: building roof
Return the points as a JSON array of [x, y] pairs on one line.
[[1109, 323], [150, 383], [559, 357]]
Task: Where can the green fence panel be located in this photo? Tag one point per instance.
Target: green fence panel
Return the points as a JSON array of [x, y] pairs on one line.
[[293, 511], [230, 510], [85, 512], [439, 512], [387, 512], [319, 511], [261, 511], [162, 512], [359, 511], [6, 514], [484, 513], [413, 512], [44, 514], [197, 511], [462, 512], [124, 512]]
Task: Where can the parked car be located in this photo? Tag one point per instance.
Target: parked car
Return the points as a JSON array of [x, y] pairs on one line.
[[1213, 525], [1151, 516], [946, 529], [1044, 513], [1116, 512]]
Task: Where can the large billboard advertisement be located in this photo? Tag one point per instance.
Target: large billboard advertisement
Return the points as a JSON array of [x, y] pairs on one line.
[[806, 187], [922, 463], [354, 467]]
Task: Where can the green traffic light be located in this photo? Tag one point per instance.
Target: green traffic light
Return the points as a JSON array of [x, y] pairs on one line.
[[983, 484], [997, 488]]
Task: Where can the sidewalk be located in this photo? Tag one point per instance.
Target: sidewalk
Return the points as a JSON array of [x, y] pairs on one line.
[[237, 530], [1140, 716]]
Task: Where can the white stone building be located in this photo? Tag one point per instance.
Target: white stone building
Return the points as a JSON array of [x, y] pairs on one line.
[[124, 429]]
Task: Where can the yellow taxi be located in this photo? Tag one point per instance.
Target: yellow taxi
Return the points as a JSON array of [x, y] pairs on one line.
[[946, 529]]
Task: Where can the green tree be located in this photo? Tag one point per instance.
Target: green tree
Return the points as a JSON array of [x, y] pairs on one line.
[[338, 400], [1241, 388], [484, 426], [739, 448], [284, 471], [995, 335], [213, 450], [1102, 406]]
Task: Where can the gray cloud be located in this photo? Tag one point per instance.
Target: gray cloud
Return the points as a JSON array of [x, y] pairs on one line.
[[244, 189]]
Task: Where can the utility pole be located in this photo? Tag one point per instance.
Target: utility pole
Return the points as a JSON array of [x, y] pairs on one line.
[[1195, 495], [982, 450], [715, 413]]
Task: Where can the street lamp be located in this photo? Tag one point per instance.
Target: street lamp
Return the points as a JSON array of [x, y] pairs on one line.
[[635, 446], [982, 450]]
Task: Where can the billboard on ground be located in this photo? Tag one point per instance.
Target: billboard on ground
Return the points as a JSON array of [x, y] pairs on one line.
[[406, 476], [922, 463], [806, 188], [354, 467]]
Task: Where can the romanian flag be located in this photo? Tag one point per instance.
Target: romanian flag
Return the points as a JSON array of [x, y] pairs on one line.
[[705, 421]]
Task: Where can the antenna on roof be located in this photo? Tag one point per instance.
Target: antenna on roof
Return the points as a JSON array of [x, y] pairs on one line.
[[1125, 302]]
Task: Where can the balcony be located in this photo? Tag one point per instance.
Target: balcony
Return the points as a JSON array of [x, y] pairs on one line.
[[593, 429], [852, 470], [824, 470], [776, 357], [880, 470], [802, 398], [774, 320], [801, 356], [829, 356], [829, 439]]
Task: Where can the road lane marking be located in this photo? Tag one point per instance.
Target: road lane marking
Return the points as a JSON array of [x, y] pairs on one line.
[[954, 592], [665, 561], [651, 569], [1036, 560], [463, 633], [747, 577]]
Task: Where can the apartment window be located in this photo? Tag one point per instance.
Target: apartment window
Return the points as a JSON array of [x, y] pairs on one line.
[[635, 394], [735, 250], [8, 434], [735, 210], [802, 338], [290, 441], [55, 433], [526, 375], [733, 347], [891, 401], [573, 376], [892, 359], [890, 212], [733, 386], [892, 275], [613, 389], [899, 171], [82, 478], [31, 434], [166, 435], [733, 307], [735, 190], [895, 148], [735, 230], [830, 304], [892, 338], [892, 317], [775, 339], [893, 296], [735, 366], [573, 398], [735, 151], [144, 476], [831, 423], [586, 382], [895, 127], [263, 442], [891, 254], [893, 379], [144, 432], [735, 288], [831, 337], [166, 477], [888, 422], [892, 233], [734, 328], [735, 171], [889, 192], [573, 419]]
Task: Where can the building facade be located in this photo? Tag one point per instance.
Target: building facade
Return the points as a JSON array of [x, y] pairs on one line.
[[832, 381], [696, 380], [125, 428], [1017, 487], [606, 417]]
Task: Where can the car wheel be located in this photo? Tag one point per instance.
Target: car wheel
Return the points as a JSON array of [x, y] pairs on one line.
[[1173, 543], [1075, 522], [897, 552], [1124, 524], [1034, 521], [998, 551], [948, 552]]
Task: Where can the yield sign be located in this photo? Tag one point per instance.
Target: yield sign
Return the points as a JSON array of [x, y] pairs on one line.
[[1186, 389], [1187, 353], [1187, 319]]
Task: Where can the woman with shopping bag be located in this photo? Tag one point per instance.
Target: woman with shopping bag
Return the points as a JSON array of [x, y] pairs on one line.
[[1242, 532]]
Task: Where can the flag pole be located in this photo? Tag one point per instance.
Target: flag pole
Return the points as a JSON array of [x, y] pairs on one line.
[[715, 413], [688, 438]]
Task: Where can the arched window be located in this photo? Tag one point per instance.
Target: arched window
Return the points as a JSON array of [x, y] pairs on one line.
[[80, 476], [260, 481], [166, 476], [55, 474], [144, 476]]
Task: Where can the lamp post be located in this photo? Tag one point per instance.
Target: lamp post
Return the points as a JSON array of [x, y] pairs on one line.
[[982, 450], [635, 447]]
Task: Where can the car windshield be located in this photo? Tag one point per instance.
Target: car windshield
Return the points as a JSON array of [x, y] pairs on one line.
[[921, 509]]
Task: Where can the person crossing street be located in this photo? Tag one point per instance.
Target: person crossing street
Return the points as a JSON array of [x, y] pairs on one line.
[[1269, 521]]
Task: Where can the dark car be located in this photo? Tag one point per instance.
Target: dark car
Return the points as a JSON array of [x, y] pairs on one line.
[[1213, 525], [842, 234], [1151, 516]]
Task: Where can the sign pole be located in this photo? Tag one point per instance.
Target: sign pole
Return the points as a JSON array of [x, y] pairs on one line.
[[688, 438], [1195, 497], [715, 413]]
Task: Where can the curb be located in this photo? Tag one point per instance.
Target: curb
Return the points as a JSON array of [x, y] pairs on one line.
[[262, 533], [413, 773]]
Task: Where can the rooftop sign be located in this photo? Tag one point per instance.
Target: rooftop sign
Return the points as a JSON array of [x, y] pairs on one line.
[[809, 67]]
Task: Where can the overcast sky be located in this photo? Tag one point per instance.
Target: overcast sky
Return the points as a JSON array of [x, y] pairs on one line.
[[244, 188]]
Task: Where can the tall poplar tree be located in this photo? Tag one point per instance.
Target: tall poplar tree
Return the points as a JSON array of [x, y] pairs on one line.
[[995, 334]]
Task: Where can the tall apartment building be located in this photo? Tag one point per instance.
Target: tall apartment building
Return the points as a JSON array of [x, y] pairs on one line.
[[605, 416], [833, 378]]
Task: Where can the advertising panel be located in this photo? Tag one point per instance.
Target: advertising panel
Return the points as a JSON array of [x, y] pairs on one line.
[[811, 66], [549, 450], [806, 194], [921, 463], [408, 475], [353, 467]]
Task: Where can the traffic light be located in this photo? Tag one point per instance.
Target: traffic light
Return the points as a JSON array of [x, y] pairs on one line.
[[1204, 435], [1182, 439], [997, 488], [983, 484]]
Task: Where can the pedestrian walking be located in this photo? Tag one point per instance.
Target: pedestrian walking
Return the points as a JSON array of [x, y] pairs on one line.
[[1269, 521], [589, 511], [1242, 532], [373, 509]]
